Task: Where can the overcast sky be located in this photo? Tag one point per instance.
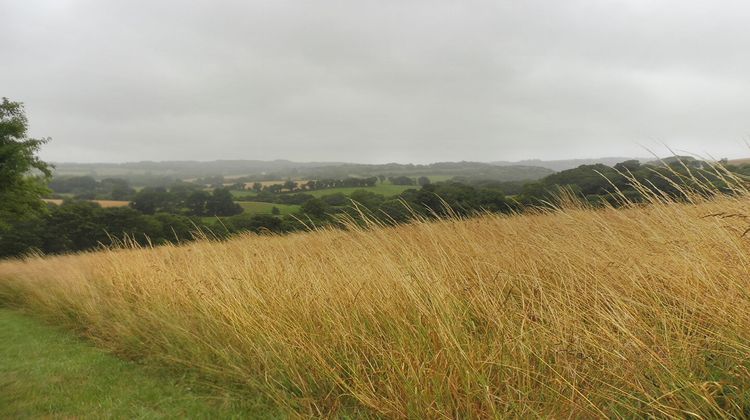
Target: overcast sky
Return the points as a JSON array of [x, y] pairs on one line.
[[380, 80]]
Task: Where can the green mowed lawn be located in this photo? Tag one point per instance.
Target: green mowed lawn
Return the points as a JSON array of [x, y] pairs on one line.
[[243, 193], [49, 373], [258, 207]]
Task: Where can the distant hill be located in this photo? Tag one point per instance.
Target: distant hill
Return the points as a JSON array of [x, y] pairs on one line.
[[185, 169], [282, 169], [561, 165], [475, 170]]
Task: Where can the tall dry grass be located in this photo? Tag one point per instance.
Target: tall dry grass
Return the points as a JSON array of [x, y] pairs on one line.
[[572, 313]]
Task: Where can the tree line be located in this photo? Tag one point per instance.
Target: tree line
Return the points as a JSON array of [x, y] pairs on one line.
[[177, 213], [185, 199], [88, 188]]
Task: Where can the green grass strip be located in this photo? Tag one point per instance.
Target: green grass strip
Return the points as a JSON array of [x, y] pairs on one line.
[[46, 372]]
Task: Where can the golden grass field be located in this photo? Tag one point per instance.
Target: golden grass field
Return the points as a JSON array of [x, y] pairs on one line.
[[103, 203], [573, 313]]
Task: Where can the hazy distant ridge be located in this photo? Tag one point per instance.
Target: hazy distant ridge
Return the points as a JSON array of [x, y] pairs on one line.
[[317, 170], [564, 164]]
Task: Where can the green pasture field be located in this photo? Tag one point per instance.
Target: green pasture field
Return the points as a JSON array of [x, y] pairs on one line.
[[387, 189], [243, 193]]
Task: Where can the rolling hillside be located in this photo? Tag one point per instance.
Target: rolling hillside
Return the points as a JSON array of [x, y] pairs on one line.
[[575, 313]]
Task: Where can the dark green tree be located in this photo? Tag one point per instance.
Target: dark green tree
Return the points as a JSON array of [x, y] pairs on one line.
[[628, 166], [23, 175], [150, 200], [260, 223], [221, 203], [290, 185], [337, 199], [315, 208], [196, 203], [401, 180], [367, 198], [393, 211]]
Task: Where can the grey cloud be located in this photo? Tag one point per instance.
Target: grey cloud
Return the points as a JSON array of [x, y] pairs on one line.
[[378, 81]]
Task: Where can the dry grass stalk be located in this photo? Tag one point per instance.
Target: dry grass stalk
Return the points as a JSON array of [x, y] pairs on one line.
[[573, 312]]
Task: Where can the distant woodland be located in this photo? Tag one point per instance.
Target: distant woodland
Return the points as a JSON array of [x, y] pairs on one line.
[[176, 210], [91, 205]]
